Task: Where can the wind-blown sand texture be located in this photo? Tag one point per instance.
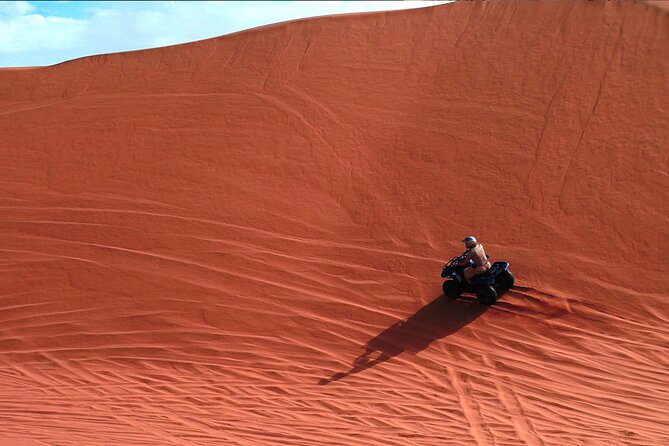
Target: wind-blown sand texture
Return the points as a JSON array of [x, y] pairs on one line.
[[238, 241]]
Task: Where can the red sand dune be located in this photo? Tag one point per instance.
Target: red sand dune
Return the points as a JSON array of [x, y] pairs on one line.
[[238, 241]]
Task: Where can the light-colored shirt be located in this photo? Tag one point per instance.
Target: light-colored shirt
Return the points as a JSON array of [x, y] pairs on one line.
[[476, 254]]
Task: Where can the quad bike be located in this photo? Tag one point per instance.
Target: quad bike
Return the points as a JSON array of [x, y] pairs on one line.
[[487, 286]]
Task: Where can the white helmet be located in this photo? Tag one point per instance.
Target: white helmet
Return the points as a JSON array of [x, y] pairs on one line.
[[470, 241]]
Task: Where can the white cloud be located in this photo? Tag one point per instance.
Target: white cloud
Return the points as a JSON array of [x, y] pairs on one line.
[[27, 38], [34, 32], [12, 9]]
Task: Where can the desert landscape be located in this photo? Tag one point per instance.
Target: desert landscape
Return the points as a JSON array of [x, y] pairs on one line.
[[238, 241]]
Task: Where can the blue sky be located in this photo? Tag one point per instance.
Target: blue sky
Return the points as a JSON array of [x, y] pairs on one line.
[[45, 33]]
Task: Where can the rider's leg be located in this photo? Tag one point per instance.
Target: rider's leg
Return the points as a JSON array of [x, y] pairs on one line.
[[470, 272]]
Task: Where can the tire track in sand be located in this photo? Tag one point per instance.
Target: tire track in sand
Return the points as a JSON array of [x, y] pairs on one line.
[[521, 424], [477, 428]]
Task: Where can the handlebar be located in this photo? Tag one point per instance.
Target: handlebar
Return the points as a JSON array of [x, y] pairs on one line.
[[452, 262]]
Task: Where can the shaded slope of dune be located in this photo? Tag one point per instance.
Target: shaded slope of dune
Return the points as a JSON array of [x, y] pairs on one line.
[[238, 240]]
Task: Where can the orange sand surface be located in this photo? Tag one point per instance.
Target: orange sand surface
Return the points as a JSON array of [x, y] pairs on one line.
[[238, 241]]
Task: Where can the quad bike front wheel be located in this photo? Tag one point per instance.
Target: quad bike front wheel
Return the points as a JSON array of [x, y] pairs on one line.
[[486, 295], [450, 289]]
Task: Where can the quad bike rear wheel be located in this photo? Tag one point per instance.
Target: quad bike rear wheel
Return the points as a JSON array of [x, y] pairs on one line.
[[486, 295], [505, 280]]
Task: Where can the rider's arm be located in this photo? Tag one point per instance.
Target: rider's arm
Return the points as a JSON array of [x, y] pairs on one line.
[[466, 260]]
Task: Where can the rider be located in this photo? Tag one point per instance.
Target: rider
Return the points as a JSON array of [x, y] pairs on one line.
[[475, 253]]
